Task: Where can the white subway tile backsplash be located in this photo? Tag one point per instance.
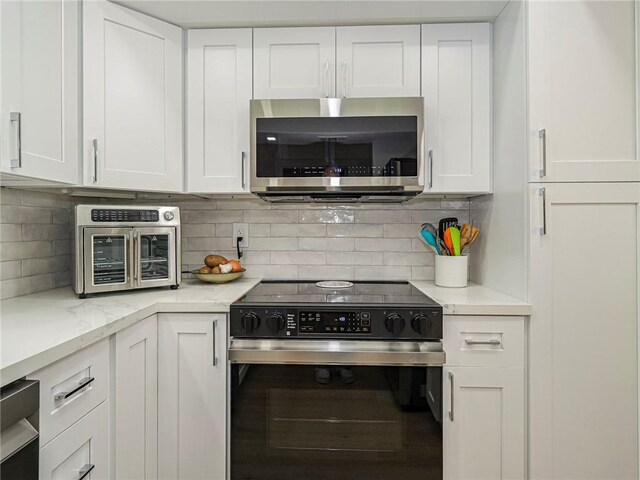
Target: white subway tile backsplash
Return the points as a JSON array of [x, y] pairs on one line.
[[383, 244], [354, 258], [382, 272], [321, 272], [299, 229], [10, 232], [354, 230], [332, 215], [270, 216], [298, 258], [329, 244], [275, 243], [416, 259], [383, 216], [10, 269]]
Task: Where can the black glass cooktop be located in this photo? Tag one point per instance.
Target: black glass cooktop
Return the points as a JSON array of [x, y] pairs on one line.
[[306, 292]]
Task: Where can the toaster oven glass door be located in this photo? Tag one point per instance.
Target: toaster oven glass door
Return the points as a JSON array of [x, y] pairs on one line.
[[107, 259], [155, 250]]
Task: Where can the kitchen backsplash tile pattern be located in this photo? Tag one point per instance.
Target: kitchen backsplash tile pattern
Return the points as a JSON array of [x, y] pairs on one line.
[[292, 241], [366, 241], [35, 242]]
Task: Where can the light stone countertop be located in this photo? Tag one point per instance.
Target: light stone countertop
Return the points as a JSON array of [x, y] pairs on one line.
[[39, 329], [473, 300]]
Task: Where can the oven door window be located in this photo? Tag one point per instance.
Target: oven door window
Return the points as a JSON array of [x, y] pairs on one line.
[[155, 254], [325, 422], [109, 259], [337, 147]]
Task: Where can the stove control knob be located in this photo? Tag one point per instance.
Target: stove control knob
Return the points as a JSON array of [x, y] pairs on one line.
[[394, 323], [275, 323], [168, 216], [421, 324], [250, 323]]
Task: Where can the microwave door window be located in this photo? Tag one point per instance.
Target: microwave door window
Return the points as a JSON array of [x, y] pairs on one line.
[[109, 253], [154, 257], [337, 147]]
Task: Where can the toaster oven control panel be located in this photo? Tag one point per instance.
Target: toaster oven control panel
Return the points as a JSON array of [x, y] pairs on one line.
[[122, 215]]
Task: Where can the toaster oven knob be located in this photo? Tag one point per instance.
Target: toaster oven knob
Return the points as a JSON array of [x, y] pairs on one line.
[[250, 323], [275, 323], [394, 323], [168, 216], [421, 324]]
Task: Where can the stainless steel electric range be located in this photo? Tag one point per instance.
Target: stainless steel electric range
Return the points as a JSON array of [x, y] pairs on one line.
[[336, 382]]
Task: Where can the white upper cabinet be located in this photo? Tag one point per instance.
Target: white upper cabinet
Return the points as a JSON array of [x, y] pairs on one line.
[[583, 91], [378, 61], [456, 85], [132, 100], [218, 94], [39, 96], [294, 62]]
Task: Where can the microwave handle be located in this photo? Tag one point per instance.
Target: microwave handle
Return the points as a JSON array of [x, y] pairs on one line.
[[136, 258]]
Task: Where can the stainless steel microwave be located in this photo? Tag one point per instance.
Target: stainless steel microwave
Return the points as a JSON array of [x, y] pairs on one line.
[[337, 149], [125, 248]]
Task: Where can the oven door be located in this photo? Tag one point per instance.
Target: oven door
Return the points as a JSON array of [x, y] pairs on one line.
[[107, 259], [359, 413], [154, 257]]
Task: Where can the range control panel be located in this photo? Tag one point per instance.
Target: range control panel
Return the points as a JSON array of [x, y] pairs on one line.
[[331, 322], [334, 322], [122, 215]]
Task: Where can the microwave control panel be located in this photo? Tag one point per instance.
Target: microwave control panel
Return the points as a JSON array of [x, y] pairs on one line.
[[122, 215]]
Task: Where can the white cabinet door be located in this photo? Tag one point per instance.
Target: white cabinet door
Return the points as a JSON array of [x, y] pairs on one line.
[[192, 395], [583, 336], [483, 423], [583, 87], [294, 62], [219, 90], [39, 65], [132, 100], [136, 397], [378, 61], [456, 85], [82, 447]]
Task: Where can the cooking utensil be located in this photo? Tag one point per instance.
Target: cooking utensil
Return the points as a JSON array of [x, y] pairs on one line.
[[218, 277], [430, 228], [465, 234], [428, 237], [455, 240], [443, 247], [446, 223], [447, 240], [475, 231]]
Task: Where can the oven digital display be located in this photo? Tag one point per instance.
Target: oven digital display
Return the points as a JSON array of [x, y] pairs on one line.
[[334, 322]]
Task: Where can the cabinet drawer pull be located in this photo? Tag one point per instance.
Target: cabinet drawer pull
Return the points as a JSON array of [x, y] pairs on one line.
[[543, 193], [64, 395], [243, 158], [430, 169], [493, 341], [85, 470], [215, 359], [451, 406], [542, 135], [16, 118], [326, 79], [344, 79]]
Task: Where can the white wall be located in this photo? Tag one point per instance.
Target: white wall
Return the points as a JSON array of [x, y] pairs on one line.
[[499, 260]]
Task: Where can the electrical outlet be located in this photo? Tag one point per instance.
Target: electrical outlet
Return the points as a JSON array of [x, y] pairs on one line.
[[241, 230]]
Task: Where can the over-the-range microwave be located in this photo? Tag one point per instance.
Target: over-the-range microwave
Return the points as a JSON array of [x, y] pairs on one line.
[[337, 149]]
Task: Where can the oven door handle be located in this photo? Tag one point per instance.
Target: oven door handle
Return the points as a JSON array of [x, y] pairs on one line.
[[336, 352]]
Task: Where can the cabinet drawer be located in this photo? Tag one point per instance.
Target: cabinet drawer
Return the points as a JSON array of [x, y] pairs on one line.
[[81, 450], [71, 388], [484, 341]]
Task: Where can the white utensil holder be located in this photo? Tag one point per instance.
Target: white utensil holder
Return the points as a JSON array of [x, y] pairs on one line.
[[452, 271]]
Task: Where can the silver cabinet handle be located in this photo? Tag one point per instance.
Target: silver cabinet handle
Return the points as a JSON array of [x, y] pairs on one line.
[[543, 193], [451, 406], [85, 470], [493, 341], [94, 142], [344, 79], [430, 169], [542, 135], [243, 157], [16, 119], [81, 384], [326, 79], [215, 359]]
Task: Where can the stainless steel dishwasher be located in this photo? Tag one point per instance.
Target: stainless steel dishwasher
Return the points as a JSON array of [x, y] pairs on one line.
[[19, 446]]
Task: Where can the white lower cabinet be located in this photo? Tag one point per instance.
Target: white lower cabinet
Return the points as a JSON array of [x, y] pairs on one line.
[[483, 423], [583, 337], [136, 401], [192, 396], [81, 449]]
